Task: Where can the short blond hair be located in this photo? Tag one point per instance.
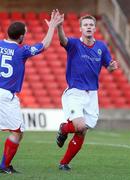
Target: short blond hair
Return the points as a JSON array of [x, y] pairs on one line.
[[87, 17]]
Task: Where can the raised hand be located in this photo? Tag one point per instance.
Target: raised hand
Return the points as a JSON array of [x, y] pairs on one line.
[[56, 19]]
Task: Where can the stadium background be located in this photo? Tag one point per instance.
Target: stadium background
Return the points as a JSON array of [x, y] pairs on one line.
[[45, 73]]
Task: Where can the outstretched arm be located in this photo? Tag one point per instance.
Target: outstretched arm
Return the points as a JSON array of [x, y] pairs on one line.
[[62, 37], [55, 20]]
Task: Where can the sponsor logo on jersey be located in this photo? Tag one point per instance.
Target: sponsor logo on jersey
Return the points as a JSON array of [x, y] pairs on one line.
[[86, 57]]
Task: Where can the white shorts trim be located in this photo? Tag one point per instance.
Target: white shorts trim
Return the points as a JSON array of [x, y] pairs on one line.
[[10, 112], [80, 103]]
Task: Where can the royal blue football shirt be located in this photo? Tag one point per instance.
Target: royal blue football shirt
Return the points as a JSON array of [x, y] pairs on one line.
[[12, 63], [84, 63]]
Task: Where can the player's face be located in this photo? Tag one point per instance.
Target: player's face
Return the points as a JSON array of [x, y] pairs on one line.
[[88, 28]]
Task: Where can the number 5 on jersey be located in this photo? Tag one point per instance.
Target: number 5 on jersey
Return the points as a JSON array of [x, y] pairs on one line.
[[6, 66]]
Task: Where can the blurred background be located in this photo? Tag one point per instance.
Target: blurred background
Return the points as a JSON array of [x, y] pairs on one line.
[[45, 74]]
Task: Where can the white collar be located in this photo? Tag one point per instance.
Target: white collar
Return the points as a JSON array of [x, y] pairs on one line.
[[10, 41], [81, 39]]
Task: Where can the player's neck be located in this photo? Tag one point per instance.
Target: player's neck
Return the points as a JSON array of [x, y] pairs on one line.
[[88, 41]]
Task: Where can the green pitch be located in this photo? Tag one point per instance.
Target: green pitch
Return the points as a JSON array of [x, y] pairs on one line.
[[104, 156]]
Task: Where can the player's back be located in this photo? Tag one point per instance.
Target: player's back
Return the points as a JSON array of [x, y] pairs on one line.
[[11, 66]]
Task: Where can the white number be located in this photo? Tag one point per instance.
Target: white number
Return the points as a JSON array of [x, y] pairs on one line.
[[6, 65]]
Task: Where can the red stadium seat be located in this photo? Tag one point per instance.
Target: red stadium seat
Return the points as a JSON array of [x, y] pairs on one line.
[[57, 101], [59, 71], [54, 92], [122, 80], [44, 71], [34, 77], [40, 64], [16, 15], [30, 16], [71, 16], [51, 85], [38, 30], [38, 37], [105, 102], [73, 24], [33, 23], [127, 95], [107, 78], [114, 93], [104, 72], [110, 87], [5, 23], [4, 15], [40, 93], [26, 92], [118, 73], [102, 93], [47, 78], [43, 15], [55, 63], [28, 36], [29, 41], [120, 102], [99, 36], [67, 29], [30, 100], [45, 102]]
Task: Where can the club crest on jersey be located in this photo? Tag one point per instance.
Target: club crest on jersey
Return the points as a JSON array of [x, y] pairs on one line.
[[99, 51], [33, 50]]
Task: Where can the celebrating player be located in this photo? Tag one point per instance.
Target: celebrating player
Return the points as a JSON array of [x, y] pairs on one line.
[[12, 66], [85, 58]]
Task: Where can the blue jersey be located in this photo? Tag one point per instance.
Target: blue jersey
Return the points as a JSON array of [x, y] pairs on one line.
[[12, 63], [84, 63]]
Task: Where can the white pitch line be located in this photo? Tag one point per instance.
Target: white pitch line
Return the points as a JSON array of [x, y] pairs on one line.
[[108, 144], [91, 143], [109, 134]]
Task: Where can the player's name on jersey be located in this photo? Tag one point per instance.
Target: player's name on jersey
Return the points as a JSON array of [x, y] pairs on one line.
[[6, 51]]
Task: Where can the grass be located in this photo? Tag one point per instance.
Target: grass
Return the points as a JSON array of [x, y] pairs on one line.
[[104, 156]]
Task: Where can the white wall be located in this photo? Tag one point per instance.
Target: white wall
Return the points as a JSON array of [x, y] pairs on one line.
[[42, 119]]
